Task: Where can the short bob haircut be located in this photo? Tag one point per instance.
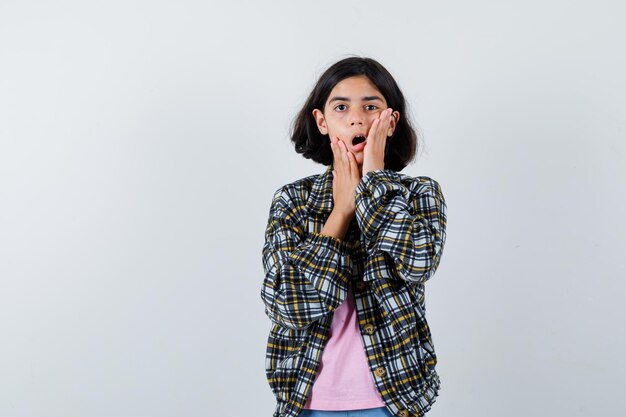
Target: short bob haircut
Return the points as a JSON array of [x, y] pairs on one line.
[[401, 146]]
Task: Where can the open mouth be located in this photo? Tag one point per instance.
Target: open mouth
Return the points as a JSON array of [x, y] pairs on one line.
[[358, 139]]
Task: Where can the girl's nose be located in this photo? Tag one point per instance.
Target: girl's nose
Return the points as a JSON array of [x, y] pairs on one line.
[[357, 119]]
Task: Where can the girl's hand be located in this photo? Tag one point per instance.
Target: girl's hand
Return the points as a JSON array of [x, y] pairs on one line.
[[346, 178], [374, 151]]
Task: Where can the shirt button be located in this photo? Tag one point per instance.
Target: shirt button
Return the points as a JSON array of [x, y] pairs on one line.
[[369, 328], [403, 413], [380, 371], [360, 285]]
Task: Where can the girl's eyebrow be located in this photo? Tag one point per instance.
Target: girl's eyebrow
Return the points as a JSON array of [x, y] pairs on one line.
[[366, 98]]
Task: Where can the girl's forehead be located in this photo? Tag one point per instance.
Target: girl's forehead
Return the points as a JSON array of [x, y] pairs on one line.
[[355, 88]]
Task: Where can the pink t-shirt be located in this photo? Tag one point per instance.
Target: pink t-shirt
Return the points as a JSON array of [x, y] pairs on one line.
[[344, 380]]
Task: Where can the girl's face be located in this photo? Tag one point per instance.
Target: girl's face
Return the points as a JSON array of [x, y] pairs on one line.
[[349, 111]]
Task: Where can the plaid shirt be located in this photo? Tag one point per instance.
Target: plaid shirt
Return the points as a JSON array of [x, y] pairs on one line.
[[392, 247]]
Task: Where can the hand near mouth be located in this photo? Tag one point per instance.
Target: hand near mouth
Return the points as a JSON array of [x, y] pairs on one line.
[[374, 151], [346, 178]]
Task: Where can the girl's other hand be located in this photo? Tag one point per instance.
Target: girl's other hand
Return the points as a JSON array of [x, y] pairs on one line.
[[346, 178], [374, 151]]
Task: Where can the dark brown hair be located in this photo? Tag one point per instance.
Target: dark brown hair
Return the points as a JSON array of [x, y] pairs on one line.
[[401, 146]]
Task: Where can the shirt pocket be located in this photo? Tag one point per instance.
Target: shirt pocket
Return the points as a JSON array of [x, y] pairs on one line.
[[395, 299], [285, 348]]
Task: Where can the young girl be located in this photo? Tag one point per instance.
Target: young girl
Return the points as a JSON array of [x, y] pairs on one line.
[[346, 256]]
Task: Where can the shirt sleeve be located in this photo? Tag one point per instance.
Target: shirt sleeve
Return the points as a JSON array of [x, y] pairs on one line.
[[306, 275], [404, 225]]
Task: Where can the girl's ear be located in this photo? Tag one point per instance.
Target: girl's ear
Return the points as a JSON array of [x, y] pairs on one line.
[[395, 117], [320, 121]]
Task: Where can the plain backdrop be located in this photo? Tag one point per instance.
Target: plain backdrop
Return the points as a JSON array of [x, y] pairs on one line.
[[141, 143]]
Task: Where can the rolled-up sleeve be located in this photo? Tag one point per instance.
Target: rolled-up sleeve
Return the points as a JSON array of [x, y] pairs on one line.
[[403, 223], [306, 274]]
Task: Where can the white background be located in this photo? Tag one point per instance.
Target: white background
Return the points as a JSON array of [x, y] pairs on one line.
[[141, 143]]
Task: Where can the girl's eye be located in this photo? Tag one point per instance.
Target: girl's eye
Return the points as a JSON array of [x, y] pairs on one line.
[[342, 107]]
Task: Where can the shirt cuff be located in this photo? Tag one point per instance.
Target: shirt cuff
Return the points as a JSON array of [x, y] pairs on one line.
[[319, 252], [378, 182]]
